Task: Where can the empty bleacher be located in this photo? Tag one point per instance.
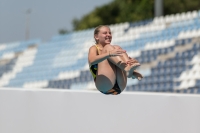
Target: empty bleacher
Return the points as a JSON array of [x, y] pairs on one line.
[[167, 47]]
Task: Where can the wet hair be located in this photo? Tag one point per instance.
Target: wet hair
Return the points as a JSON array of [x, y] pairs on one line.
[[97, 29]]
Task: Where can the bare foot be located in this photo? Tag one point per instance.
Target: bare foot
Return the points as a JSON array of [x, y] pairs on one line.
[[137, 75], [130, 69]]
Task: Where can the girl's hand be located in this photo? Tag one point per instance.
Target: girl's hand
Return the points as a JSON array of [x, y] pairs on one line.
[[132, 61]]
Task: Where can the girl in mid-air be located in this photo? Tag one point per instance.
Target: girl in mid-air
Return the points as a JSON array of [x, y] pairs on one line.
[[110, 64]]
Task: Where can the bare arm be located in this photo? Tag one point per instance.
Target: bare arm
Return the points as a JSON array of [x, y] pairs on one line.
[[93, 58]]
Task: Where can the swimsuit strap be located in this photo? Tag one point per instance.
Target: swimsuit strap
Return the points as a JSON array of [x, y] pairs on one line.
[[97, 49]]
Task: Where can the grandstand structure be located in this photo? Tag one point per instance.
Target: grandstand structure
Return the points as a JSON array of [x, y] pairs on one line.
[[168, 48]]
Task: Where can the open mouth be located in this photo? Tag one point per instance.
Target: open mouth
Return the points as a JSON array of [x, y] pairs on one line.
[[108, 39]]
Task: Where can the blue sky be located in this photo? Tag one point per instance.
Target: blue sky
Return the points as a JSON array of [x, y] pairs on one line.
[[46, 17]]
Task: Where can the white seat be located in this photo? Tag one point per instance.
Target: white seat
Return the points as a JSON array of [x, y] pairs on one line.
[[189, 15], [194, 14], [183, 16]]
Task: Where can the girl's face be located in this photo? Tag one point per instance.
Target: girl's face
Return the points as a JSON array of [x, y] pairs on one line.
[[104, 36]]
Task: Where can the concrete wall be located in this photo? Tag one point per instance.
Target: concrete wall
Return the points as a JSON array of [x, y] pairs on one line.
[[62, 111]]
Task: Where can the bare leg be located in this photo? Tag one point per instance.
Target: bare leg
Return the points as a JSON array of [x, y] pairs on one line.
[[121, 78], [106, 76], [124, 56], [120, 61], [121, 75], [108, 72]]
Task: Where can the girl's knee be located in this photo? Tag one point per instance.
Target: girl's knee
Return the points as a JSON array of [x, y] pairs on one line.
[[108, 47], [116, 46]]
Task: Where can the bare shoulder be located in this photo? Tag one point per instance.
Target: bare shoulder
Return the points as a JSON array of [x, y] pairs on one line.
[[92, 48]]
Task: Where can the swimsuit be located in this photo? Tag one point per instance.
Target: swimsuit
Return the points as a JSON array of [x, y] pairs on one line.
[[93, 69]]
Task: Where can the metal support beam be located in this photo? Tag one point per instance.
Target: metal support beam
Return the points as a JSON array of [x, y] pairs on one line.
[[158, 8]]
